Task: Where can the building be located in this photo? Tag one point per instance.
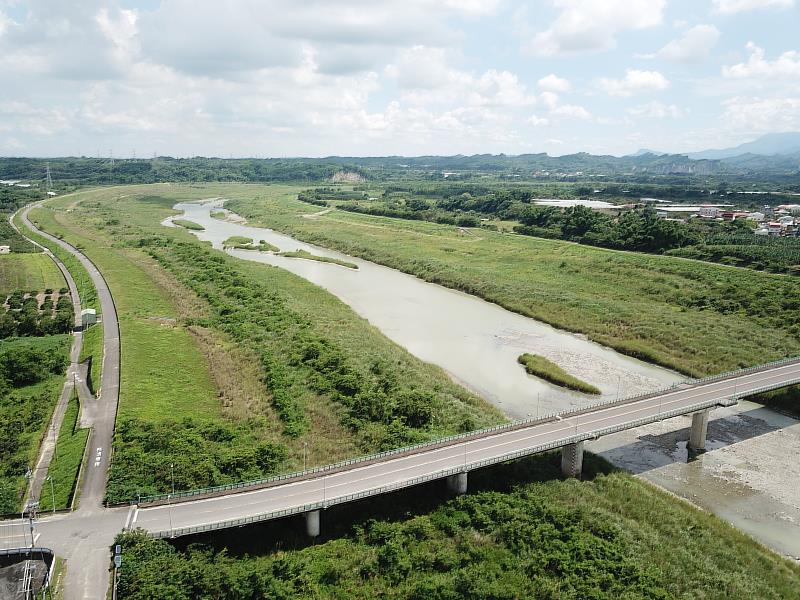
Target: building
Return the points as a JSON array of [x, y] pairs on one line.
[[88, 317], [5, 249], [709, 212]]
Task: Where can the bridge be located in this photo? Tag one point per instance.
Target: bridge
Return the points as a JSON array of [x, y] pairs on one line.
[[309, 492]]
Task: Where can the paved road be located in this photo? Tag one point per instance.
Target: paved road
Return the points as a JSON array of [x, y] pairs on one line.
[[84, 537], [73, 377], [178, 518]]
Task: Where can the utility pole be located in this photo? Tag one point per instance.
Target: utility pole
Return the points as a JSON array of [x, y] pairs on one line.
[[305, 446], [52, 492], [172, 472]]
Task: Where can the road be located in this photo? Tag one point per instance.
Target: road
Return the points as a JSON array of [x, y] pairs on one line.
[[83, 538], [74, 377], [361, 480]]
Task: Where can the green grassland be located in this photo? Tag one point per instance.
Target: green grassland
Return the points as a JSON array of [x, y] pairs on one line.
[[31, 377], [188, 224], [246, 243], [28, 272], [178, 405], [326, 259], [66, 463], [520, 533], [539, 366], [695, 317]]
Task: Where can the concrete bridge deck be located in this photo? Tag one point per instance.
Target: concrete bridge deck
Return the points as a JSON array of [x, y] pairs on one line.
[[311, 492]]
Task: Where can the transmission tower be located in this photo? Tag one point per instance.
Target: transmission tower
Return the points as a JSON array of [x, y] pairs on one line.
[[48, 179], [111, 158]]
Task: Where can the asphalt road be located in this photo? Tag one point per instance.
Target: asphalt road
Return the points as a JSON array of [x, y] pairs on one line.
[[83, 537], [73, 376], [177, 518]]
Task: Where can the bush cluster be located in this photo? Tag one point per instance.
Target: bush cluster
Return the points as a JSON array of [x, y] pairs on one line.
[[26, 318]]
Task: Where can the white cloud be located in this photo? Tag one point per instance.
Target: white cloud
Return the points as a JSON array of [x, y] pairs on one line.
[[634, 81], [571, 111], [592, 25], [761, 115], [656, 110], [786, 65], [537, 121], [728, 7], [554, 83], [693, 46]]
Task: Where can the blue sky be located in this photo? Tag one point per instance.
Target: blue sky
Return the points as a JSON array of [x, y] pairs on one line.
[[358, 77]]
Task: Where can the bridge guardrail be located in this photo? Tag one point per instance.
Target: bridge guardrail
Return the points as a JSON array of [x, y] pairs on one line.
[[516, 424], [580, 436]]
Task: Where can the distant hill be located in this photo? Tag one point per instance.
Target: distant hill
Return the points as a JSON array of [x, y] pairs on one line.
[[767, 145], [643, 151]]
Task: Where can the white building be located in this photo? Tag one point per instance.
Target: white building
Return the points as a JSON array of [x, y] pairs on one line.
[[709, 212], [88, 317], [5, 249]]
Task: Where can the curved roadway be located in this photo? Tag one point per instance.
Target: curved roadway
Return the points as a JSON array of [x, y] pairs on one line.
[[84, 537]]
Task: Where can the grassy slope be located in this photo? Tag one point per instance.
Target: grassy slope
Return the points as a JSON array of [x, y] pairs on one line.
[[162, 372], [28, 272], [539, 366], [651, 306], [520, 533], [66, 461]]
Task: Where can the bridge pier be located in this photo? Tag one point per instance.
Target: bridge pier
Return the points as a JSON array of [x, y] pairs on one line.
[[697, 437], [572, 460], [457, 483], [312, 523]]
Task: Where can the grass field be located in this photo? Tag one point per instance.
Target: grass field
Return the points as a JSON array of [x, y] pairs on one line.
[[696, 317], [539, 366], [188, 224], [182, 372], [66, 463], [29, 272], [326, 259]]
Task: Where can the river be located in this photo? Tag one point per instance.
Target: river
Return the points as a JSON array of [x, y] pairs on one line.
[[747, 479], [475, 341]]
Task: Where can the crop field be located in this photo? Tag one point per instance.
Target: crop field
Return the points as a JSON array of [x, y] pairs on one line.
[[695, 317], [28, 272]]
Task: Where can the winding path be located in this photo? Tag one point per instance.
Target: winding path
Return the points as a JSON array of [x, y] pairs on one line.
[[83, 537]]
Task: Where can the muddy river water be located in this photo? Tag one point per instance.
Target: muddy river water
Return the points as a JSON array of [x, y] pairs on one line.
[[478, 343]]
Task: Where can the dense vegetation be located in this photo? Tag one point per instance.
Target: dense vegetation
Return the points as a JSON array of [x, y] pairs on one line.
[[698, 318], [31, 372], [12, 198], [26, 317], [540, 366], [640, 230], [521, 533]]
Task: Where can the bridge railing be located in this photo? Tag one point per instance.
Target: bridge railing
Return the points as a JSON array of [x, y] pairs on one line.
[[516, 424], [579, 436]]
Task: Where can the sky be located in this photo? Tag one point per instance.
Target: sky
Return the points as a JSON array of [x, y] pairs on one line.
[[275, 78]]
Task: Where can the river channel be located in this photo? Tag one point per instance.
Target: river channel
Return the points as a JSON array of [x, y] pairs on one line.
[[746, 479], [475, 341]]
